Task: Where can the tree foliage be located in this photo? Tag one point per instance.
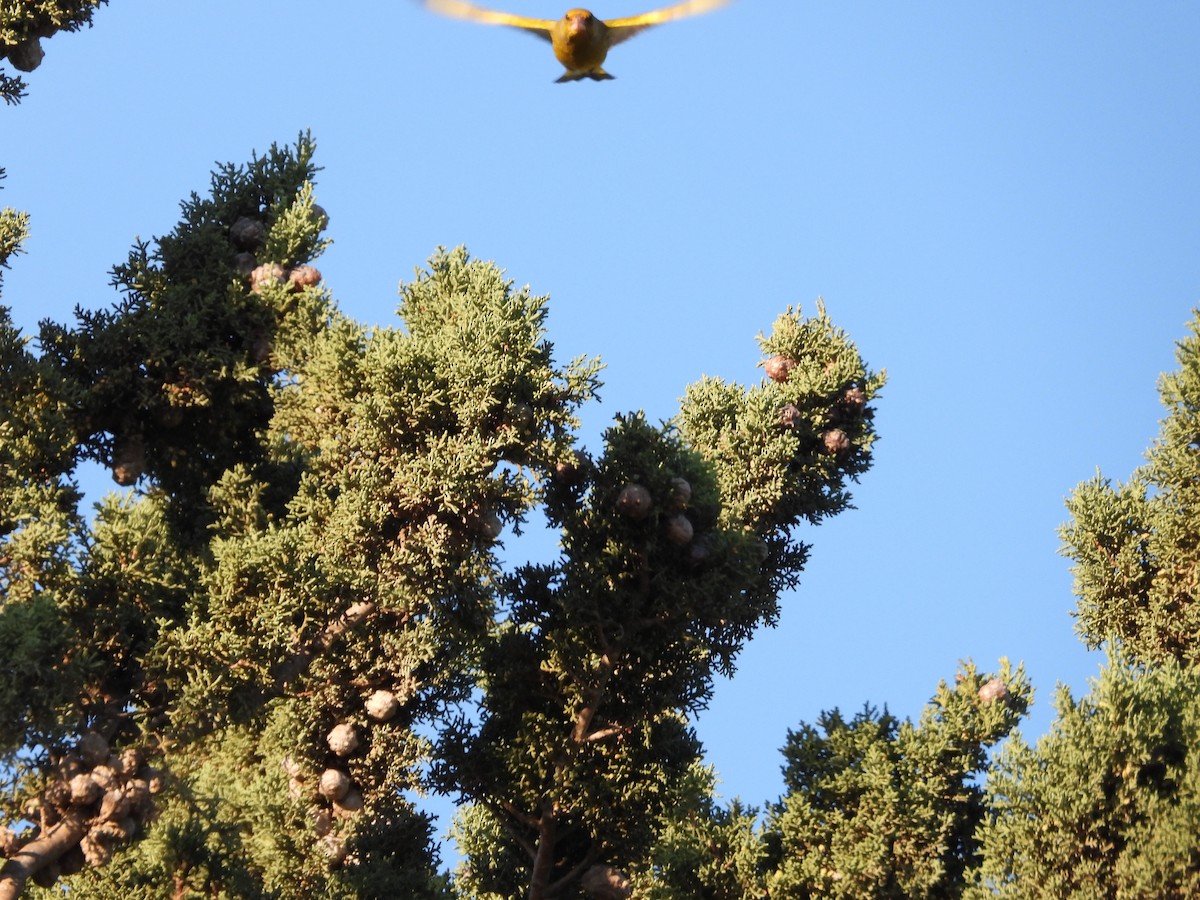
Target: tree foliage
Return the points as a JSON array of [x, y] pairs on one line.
[[874, 807], [233, 677], [14, 229], [1105, 805], [880, 808], [1108, 803], [1135, 545], [202, 636], [676, 545], [23, 26], [237, 677]]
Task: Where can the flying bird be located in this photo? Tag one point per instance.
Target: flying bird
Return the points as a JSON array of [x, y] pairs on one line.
[[580, 40]]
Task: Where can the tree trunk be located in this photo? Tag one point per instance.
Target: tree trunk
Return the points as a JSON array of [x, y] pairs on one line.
[[39, 853], [543, 860]]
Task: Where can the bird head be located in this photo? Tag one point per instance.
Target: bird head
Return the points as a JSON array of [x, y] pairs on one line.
[[578, 21]]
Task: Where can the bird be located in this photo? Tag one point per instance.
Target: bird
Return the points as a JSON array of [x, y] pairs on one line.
[[581, 41]]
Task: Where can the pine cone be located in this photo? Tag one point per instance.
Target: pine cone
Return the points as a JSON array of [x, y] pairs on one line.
[[125, 828], [835, 441], [334, 848], [342, 739], [700, 552], [322, 821], [105, 776], [245, 263], [606, 883], [141, 804], [265, 274], [58, 794], [566, 473], [69, 764], [679, 530], [96, 852], [27, 55], [994, 690], [84, 790], [779, 368], [634, 501], [349, 803], [334, 784], [382, 706], [129, 464], [854, 399], [131, 760], [303, 276], [115, 805], [790, 416], [490, 526], [681, 493], [156, 780], [247, 233]]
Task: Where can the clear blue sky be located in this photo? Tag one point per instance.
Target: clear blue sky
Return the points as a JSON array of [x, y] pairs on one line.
[[1000, 202]]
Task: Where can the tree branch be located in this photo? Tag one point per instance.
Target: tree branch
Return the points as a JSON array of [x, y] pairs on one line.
[[294, 666], [593, 696], [603, 733], [39, 853], [583, 865], [543, 861]]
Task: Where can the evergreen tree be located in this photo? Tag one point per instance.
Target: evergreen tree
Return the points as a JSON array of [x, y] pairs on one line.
[[706, 850], [205, 654], [881, 808], [874, 807], [14, 228], [232, 678], [676, 543], [1106, 805], [24, 25], [1136, 546]]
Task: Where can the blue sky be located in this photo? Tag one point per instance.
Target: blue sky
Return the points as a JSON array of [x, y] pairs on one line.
[[1000, 202]]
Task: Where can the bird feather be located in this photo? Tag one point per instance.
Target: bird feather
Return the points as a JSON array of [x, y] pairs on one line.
[[460, 10]]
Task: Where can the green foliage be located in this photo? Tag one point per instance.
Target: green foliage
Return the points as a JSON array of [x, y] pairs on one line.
[[768, 444], [1108, 803], [874, 807], [301, 617], [232, 827], [704, 850], [667, 568], [33, 637], [39, 534], [175, 382], [216, 834], [23, 25], [881, 808], [14, 229], [1135, 546], [232, 679], [217, 622]]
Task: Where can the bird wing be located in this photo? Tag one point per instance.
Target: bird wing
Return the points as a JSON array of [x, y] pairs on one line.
[[460, 10], [625, 28]]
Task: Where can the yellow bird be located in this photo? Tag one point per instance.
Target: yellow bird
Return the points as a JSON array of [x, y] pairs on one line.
[[580, 40]]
